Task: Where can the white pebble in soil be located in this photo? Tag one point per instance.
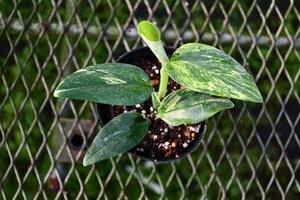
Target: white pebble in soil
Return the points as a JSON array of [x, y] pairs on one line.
[[138, 105], [156, 71], [166, 145], [144, 116], [185, 145], [191, 128]]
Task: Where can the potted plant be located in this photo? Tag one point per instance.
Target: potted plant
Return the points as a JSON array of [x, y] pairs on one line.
[[161, 125]]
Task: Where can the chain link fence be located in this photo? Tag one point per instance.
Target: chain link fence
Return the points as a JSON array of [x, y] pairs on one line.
[[249, 152]]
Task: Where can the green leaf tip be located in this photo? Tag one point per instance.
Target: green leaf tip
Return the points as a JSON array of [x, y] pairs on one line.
[[56, 93], [85, 162], [259, 98], [119, 135], [148, 31]]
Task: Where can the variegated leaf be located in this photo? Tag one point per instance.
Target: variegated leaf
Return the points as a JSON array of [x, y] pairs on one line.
[[206, 69], [118, 136], [189, 107], [115, 84]]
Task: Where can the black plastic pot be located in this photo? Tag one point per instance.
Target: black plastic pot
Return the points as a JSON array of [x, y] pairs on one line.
[[105, 112]]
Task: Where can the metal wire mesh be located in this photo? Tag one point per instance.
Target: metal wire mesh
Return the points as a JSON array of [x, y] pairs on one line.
[[249, 152]]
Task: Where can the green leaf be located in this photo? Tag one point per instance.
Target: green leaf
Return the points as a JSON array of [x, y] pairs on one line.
[[155, 100], [118, 136], [206, 69], [151, 36], [189, 107], [115, 84], [148, 31]]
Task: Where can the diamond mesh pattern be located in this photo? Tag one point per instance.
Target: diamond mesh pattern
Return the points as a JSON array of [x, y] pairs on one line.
[[249, 152]]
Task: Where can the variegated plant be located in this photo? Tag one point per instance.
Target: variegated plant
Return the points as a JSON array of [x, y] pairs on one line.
[[205, 72]]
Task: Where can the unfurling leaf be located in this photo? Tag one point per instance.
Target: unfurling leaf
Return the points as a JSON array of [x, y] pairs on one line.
[[151, 36], [206, 69], [118, 136], [115, 84], [189, 107], [147, 30]]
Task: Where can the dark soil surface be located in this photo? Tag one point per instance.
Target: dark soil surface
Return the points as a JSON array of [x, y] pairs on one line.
[[163, 142]]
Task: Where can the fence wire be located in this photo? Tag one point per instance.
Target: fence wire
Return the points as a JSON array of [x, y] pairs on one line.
[[249, 152]]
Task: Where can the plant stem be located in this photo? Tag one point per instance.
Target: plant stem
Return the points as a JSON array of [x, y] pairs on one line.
[[158, 49], [163, 81]]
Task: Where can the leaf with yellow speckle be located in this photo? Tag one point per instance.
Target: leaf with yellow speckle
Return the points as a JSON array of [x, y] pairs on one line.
[[189, 107], [206, 69], [115, 84]]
